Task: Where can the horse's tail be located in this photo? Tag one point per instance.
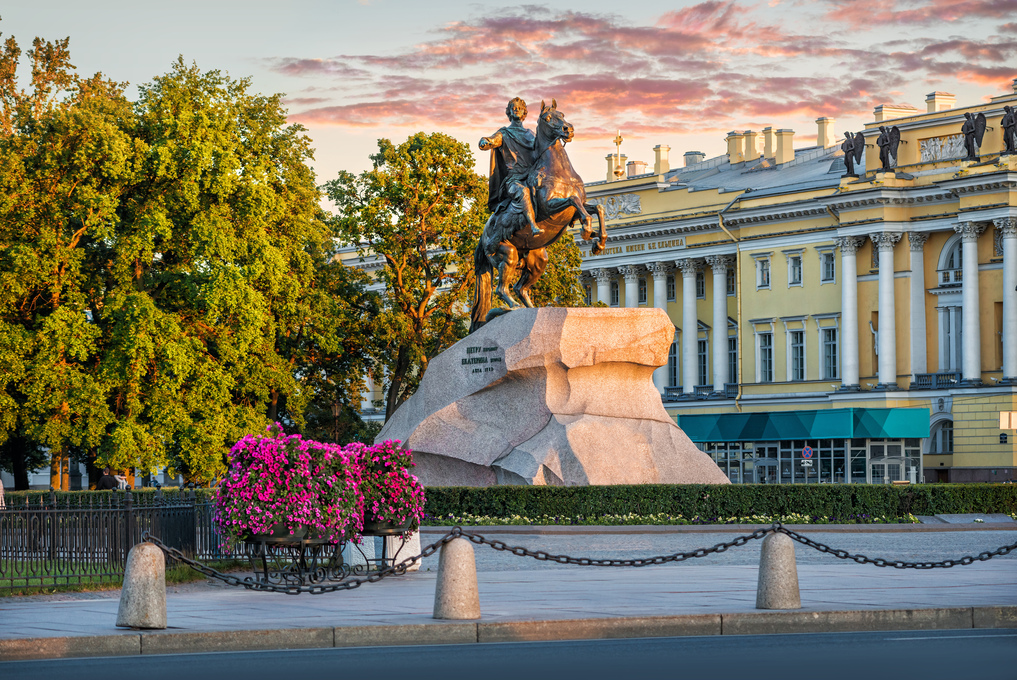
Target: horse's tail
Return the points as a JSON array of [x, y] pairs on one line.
[[483, 289]]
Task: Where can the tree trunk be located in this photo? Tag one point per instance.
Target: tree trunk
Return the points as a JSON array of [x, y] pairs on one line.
[[19, 463], [393, 401], [273, 406]]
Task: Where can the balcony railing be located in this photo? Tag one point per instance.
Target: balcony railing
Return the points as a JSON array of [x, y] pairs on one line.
[[700, 392], [935, 381]]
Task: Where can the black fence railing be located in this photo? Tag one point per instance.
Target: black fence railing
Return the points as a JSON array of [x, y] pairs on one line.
[[46, 543]]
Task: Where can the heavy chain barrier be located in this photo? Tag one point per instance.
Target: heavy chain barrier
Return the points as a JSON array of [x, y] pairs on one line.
[[400, 568]]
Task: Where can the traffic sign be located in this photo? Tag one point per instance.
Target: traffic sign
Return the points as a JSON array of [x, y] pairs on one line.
[[807, 452], [806, 463]]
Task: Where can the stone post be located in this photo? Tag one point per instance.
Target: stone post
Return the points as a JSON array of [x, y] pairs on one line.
[[849, 312], [660, 270], [778, 574], [631, 274], [690, 323], [972, 359], [455, 591], [919, 357], [719, 264], [143, 598], [1008, 228], [885, 242]]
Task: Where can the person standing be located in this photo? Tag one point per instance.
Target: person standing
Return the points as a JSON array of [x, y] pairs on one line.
[[107, 482]]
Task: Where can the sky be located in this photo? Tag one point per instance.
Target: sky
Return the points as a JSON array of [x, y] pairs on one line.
[[680, 74]]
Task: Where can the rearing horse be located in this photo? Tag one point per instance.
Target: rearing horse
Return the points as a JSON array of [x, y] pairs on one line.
[[558, 198]]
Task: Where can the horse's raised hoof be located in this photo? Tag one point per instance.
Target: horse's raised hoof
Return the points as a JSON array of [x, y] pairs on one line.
[[586, 234], [598, 248]]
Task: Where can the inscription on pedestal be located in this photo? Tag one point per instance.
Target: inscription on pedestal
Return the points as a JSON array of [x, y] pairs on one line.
[[479, 358]]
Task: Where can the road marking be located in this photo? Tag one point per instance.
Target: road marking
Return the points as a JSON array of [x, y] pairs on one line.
[[949, 637]]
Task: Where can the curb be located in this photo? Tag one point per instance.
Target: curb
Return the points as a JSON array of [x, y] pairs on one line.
[[548, 530], [457, 633]]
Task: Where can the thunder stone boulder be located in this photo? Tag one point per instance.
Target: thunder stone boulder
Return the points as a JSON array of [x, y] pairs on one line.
[[550, 396]]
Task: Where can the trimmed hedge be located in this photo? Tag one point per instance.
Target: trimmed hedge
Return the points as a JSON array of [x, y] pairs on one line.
[[707, 501], [833, 501]]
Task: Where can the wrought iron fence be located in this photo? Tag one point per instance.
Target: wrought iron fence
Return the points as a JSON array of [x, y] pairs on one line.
[[45, 543]]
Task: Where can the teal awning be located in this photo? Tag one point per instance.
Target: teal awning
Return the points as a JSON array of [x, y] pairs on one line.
[[840, 423]]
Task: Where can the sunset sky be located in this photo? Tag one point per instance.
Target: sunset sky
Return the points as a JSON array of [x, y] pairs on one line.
[[676, 73]]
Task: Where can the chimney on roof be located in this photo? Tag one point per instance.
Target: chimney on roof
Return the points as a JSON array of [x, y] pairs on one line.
[[751, 141], [660, 162], [769, 142], [633, 168], [939, 101], [785, 146], [890, 111], [614, 162], [735, 148], [693, 157], [825, 137]]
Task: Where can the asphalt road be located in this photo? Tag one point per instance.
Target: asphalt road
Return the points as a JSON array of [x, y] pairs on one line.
[[947, 655]]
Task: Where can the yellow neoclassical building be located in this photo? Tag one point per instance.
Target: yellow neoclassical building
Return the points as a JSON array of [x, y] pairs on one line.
[[830, 328]]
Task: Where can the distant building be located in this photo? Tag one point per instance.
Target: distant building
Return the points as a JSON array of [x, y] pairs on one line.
[[868, 322]]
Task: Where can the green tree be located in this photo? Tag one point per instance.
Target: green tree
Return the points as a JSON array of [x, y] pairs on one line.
[[559, 285], [420, 210]]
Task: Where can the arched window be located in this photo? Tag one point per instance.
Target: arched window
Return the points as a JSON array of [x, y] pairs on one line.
[[950, 305], [941, 437], [950, 270]]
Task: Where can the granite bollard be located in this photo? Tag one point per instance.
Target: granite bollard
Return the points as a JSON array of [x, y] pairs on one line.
[[143, 598], [778, 574], [455, 592]]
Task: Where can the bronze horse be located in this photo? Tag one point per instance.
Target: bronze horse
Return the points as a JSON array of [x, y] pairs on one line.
[[559, 199]]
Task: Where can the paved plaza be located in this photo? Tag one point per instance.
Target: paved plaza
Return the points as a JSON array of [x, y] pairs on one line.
[[531, 599]]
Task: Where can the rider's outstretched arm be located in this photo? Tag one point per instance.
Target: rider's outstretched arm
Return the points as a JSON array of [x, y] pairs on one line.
[[492, 142]]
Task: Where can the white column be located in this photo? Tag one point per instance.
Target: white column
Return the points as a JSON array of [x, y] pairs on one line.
[[1008, 228], [849, 312], [956, 339], [972, 334], [690, 324], [719, 264], [919, 349], [660, 271], [944, 356], [367, 396], [603, 277], [885, 242], [631, 275]]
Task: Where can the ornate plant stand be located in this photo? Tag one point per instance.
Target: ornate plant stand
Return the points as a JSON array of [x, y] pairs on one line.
[[296, 560], [373, 527]]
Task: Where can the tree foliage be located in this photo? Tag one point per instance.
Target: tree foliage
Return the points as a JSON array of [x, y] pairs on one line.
[[168, 280], [420, 210]]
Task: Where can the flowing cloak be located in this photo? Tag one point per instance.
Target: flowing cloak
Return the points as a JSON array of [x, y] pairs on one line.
[[509, 163]]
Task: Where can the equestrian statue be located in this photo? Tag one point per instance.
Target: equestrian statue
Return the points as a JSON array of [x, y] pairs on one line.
[[535, 195]]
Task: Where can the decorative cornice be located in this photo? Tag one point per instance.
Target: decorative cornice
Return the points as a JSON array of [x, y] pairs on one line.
[[917, 239], [969, 231], [849, 245]]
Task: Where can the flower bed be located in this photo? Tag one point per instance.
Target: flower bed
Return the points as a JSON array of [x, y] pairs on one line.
[[284, 482], [659, 519]]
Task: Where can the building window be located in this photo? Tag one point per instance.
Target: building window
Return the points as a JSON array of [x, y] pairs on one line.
[[588, 292], [951, 269], [828, 268], [614, 293], [797, 340], [830, 354], [794, 270], [700, 285], [672, 365], [704, 362], [762, 273], [670, 288], [732, 358], [941, 438], [765, 362], [642, 291], [732, 282]]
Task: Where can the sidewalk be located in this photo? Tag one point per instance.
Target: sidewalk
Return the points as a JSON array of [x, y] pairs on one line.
[[690, 598]]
